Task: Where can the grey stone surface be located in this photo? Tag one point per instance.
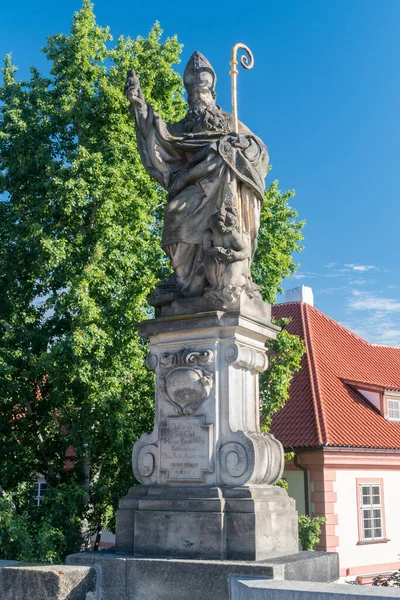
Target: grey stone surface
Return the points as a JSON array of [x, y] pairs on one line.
[[135, 578], [266, 589], [207, 434], [245, 523], [195, 314], [215, 183], [183, 534], [308, 566], [252, 307], [8, 563], [113, 571], [207, 403], [50, 582]]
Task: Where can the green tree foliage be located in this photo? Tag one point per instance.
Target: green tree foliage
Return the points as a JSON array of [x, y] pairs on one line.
[[79, 253], [41, 534], [284, 354], [310, 531], [279, 236]]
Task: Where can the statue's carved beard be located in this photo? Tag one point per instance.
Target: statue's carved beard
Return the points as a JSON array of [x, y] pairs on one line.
[[205, 118]]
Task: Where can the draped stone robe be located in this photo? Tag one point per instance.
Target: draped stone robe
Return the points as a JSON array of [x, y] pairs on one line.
[[200, 172]]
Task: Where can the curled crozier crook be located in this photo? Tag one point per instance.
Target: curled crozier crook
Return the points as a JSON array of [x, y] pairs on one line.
[[246, 60]]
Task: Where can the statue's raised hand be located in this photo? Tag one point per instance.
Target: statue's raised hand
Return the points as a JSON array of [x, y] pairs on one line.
[[132, 88]]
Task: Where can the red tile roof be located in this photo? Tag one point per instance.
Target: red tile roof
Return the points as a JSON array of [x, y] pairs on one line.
[[323, 409]]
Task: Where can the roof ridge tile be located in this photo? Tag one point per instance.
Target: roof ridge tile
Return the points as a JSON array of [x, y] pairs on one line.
[[317, 395]]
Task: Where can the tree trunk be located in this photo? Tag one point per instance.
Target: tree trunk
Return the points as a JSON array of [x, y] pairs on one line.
[[86, 463], [98, 537]]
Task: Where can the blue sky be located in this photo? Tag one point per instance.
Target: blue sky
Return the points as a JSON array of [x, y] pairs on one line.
[[325, 97]]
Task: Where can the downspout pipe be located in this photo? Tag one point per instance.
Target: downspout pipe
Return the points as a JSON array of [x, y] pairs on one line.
[[305, 477]]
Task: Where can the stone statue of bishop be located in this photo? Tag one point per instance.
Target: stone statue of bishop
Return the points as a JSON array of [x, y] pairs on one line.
[[215, 183]]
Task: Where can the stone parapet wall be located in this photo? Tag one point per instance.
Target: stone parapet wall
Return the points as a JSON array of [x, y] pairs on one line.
[[126, 577], [268, 589], [19, 581]]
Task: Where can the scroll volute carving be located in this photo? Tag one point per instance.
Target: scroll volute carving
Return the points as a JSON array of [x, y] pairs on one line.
[[249, 358]]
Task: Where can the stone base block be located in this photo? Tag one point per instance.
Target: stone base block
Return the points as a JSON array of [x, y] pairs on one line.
[[243, 523], [49, 582], [125, 577], [252, 307]]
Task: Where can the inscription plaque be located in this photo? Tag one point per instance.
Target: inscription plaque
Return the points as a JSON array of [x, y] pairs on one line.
[[186, 449]]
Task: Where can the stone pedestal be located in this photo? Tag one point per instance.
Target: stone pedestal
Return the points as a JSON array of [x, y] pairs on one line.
[[207, 471], [243, 523]]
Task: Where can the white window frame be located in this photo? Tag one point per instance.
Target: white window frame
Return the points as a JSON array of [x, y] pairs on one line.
[[395, 400], [371, 507], [40, 490]]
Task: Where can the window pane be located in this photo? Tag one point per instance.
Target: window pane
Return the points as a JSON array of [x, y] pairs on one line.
[[43, 488], [367, 534], [377, 523], [394, 409], [367, 513], [367, 523], [376, 495], [366, 494]]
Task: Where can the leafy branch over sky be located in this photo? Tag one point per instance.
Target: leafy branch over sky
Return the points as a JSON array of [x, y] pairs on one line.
[[80, 224]]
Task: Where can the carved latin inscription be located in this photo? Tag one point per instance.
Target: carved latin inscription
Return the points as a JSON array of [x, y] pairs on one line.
[[186, 449]]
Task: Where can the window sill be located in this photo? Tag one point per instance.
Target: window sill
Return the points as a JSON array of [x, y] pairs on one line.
[[367, 542]]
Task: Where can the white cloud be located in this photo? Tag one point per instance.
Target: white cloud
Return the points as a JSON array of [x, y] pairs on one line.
[[378, 317], [389, 337], [360, 268], [369, 301], [361, 281], [330, 265], [332, 290], [377, 328], [302, 275]]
